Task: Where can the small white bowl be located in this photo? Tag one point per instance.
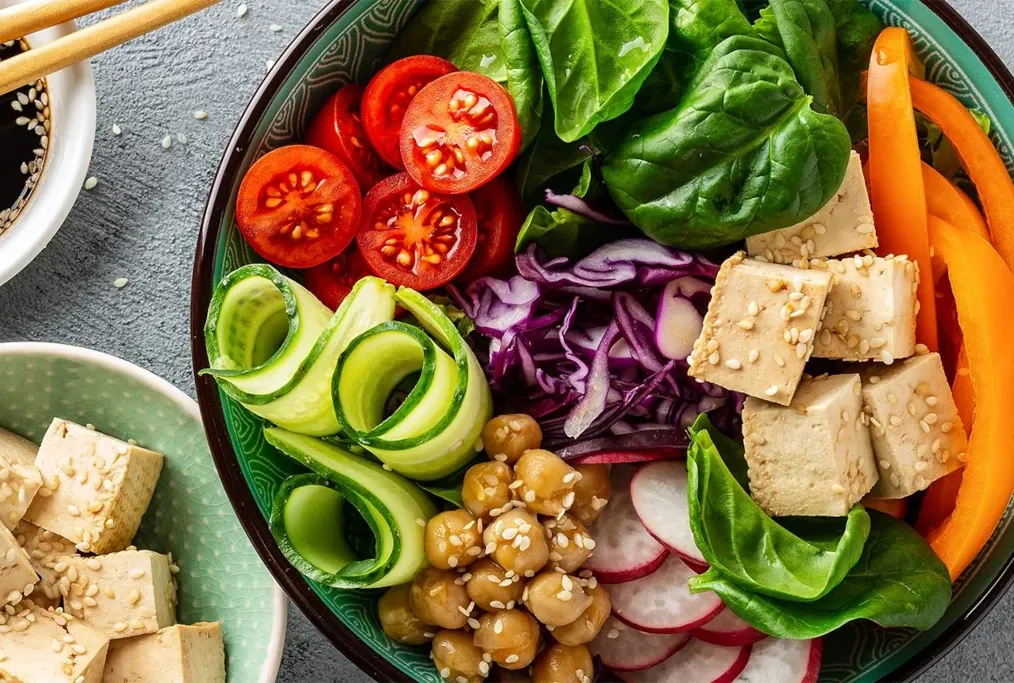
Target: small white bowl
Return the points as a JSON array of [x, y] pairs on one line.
[[72, 111]]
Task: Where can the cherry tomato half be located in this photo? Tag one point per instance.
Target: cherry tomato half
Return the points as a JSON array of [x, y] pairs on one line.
[[388, 95], [331, 282], [414, 237], [339, 129], [459, 133], [499, 217], [298, 206]]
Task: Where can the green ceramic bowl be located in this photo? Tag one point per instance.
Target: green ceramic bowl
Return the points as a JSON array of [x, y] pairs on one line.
[[221, 578], [346, 42]]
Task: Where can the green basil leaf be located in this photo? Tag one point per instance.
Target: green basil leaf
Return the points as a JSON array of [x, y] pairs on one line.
[[807, 30], [897, 582], [744, 153], [595, 56], [750, 549]]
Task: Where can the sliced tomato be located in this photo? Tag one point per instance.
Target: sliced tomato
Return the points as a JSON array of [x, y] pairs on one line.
[[298, 206], [460, 132], [338, 128], [414, 237], [331, 282], [499, 216], [387, 98]]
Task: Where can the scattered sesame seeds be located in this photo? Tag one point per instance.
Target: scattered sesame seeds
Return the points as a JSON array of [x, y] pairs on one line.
[[167, 142], [120, 282], [275, 28], [241, 10], [91, 183]]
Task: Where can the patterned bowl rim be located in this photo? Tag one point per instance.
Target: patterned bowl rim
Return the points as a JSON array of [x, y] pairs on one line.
[[276, 644], [208, 396]]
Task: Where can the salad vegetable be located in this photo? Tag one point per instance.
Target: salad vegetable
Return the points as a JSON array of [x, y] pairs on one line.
[[945, 201], [338, 129], [807, 33]]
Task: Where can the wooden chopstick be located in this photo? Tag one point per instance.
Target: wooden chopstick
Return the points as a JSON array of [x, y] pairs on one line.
[[91, 40], [19, 20]]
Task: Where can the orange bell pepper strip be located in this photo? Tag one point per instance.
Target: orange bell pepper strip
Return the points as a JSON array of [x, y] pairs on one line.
[[982, 285], [978, 156], [897, 192], [945, 201]]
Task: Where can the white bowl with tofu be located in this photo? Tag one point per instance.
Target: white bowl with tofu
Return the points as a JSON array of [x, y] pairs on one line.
[[122, 535]]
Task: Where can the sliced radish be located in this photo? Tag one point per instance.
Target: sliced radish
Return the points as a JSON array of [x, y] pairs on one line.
[[659, 493], [729, 630], [624, 551], [678, 323], [785, 661], [662, 602], [627, 457], [623, 648], [698, 662]]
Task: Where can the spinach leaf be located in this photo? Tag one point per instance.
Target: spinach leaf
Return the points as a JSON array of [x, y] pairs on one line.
[[743, 153], [807, 30], [766, 27], [748, 548], [524, 79], [897, 582], [731, 451], [546, 159], [857, 29], [594, 56]]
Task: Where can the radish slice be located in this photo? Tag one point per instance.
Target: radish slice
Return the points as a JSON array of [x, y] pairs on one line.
[[678, 322], [698, 662], [785, 661], [729, 630], [659, 493], [625, 457], [622, 648], [624, 551], [662, 602]]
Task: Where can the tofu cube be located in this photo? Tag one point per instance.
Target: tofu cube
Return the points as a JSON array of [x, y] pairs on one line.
[[917, 432], [45, 549], [813, 457], [122, 594], [19, 478], [42, 646], [760, 327], [871, 310], [176, 654], [17, 576], [842, 226], [96, 487]]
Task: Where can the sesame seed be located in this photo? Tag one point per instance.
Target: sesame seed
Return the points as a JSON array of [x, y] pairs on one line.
[[241, 11], [753, 356], [733, 364], [452, 561], [91, 183], [771, 390], [167, 142], [511, 659], [498, 626], [886, 357], [714, 358], [924, 426]]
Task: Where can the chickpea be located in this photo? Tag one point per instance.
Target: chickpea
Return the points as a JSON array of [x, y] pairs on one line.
[[587, 626], [591, 492], [452, 539], [547, 482], [510, 436], [436, 597], [457, 658], [485, 487], [491, 589], [563, 664], [517, 541], [510, 636], [399, 621], [569, 545], [556, 599]]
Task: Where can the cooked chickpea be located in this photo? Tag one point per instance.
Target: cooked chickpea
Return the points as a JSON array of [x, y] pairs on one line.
[[587, 626], [563, 664], [570, 544], [547, 482], [457, 658], [510, 636], [508, 436], [491, 589], [485, 487], [438, 597], [591, 492], [556, 599], [399, 622], [452, 539], [517, 541]]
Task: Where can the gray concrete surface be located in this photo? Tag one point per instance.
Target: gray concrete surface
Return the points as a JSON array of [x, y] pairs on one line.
[[141, 223]]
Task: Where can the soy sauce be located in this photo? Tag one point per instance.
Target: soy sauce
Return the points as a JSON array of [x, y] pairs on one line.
[[24, 140]]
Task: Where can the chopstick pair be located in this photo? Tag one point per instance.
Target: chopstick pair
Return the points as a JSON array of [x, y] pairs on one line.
[[27, 17]]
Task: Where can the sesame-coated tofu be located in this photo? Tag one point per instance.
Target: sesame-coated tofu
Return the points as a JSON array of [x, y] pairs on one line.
[[813, 457], [760, 327], [96, 488], [917, 432], [19, 478], [122, 594], [871, 310], [45, 550], [17, 576], [842, 226], [43, 646], [176, 654]]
